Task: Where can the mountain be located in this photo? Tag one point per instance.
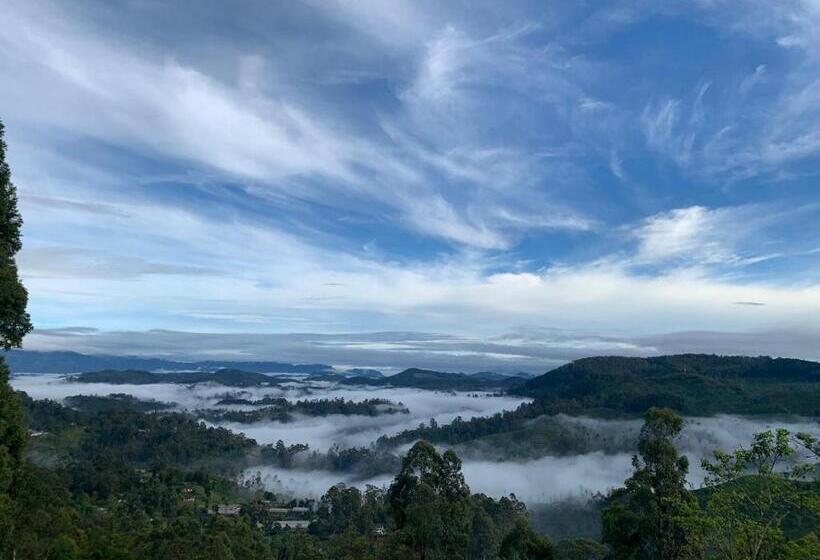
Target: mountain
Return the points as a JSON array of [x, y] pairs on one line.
[[436, 381], [689, 383], [499, 376], [27, 361], [227, 377], [363, 372]]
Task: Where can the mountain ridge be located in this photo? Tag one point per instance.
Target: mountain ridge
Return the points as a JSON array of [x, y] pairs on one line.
[[36, 361]]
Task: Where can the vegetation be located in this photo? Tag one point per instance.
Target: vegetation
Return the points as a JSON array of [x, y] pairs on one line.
[[227, 377], [133, 485], [696, 384], [280, 409], [115, 401], [645, 520], [437, 381], [757, 498], [14, 325]]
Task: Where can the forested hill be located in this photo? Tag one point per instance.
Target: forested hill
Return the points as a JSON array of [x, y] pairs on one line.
[[440, 380], [227, 377], [689, 383]]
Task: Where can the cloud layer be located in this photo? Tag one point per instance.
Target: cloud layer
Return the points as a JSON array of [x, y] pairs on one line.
[[336, 167]]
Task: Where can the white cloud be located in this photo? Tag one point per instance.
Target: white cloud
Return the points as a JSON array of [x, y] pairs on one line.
[[695, 234], [157, 105]]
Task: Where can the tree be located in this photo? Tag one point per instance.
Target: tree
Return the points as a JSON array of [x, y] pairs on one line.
[[647, 518], [14, 321], [522, 543], [429, 504], [14, 324], [754, 491]]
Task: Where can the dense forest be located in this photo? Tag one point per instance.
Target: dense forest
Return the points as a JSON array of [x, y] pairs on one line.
[[695, 384], [439, 380], [619, 387], [127, 484]]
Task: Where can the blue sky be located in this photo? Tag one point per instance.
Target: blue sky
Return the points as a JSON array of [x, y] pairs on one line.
[[454, 183]]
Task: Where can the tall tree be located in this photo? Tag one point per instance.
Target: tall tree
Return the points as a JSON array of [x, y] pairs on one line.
[[14, 324], [647, 518], [429, 504], [14, 320]]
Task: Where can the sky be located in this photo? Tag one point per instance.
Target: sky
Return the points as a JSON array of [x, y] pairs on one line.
[[463, 185]]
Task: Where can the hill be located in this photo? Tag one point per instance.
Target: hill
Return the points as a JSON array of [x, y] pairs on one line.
[[697, 384], [227, 377], [437, 381], [691, 384], [363, 372], [28, 361]]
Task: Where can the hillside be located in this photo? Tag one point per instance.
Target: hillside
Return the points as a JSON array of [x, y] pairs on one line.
[[691, 384], [696, 384], [227, 377], [438, 381]]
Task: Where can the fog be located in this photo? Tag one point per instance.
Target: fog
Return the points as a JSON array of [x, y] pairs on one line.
[[550, 478], [539, 480], [318, 432]]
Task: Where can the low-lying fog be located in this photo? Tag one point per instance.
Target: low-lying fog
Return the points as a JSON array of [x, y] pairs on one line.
[[548, 479], [539, 480], [318, 432]]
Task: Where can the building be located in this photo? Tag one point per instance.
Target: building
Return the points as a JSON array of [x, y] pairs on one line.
[[277, 510], [228, 509], [298, 524]]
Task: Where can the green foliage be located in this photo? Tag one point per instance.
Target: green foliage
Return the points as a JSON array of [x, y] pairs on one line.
[[581, 549], [280, 409], [646, 519], [693, 384], [14, 321], [523, 544], [115, 402], [14, 324], [696, 384], [756, 494], [437, 381], [227, 377], [429, 503]]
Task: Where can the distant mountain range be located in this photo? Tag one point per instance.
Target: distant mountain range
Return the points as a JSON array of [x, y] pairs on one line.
[[140, 370], [28, 361]]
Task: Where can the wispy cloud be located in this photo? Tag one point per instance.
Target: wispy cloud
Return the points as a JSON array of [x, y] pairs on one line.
[[345, 166]]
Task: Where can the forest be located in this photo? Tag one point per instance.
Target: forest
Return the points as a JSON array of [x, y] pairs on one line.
[[127, 484]]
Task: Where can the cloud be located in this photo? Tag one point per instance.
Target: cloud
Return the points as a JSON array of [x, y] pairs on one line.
[[524, 349], [59, 262], [422, 168], [696, 234], [281, 143], [320, 432], [548, 479]]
